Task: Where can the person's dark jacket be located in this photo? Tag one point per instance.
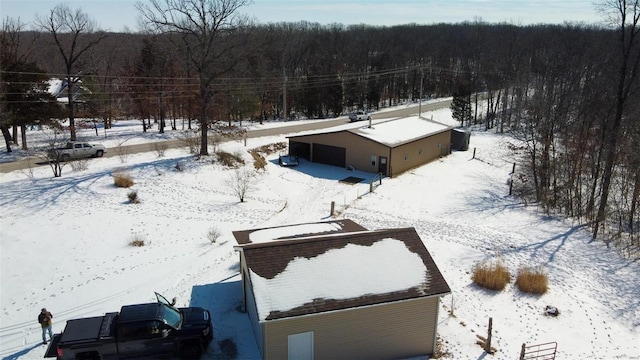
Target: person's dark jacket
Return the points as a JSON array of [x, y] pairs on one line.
[[45, 319]]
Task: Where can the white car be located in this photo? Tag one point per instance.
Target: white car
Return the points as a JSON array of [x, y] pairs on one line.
[[359, 115], [77, 150]]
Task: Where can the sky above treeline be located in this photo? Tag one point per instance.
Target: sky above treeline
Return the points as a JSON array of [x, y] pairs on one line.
[[121, 15]]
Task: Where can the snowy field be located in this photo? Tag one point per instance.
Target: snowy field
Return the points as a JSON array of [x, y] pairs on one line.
[[64, 246]]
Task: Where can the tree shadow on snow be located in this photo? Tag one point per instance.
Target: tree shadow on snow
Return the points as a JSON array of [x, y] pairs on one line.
[[550, 246], [42, 192]]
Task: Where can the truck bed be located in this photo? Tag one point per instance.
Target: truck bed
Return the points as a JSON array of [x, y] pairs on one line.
[[83, 330]]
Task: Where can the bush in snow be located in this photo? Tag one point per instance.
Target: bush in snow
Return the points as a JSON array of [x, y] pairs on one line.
[[213, 235], [137, 240], [133, 197], [532, 280], [123, 180], [191, 140], [79, 164], [492, 275], [160, 148], [229, 160]]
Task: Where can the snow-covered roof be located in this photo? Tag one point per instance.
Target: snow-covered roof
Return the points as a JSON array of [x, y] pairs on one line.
[[57, 88], [340, 271], [297, 230], [390, 132], [400, 131]]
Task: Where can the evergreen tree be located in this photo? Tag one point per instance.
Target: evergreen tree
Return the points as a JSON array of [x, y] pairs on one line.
[[461, 108]]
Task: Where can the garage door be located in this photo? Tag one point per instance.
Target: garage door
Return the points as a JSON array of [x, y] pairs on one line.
[[330, 155], [300, 149]]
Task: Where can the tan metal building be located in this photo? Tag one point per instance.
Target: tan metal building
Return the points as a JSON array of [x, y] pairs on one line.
[[346, 294], [390, 147]]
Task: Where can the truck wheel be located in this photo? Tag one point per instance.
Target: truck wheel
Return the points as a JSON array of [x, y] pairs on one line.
[[191, 351], [65, 157], [99, 153]]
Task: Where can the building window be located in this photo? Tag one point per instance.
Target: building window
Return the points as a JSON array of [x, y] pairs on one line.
[[373, 160], [420, 152], [406, 157]]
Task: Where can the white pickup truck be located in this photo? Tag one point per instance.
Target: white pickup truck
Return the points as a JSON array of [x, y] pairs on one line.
[[359, 116], [77, 150]]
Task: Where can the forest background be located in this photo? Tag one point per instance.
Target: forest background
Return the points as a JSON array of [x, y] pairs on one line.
[[568, 92]]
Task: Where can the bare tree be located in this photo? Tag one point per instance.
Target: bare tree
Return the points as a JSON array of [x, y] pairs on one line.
[[205, 27], [68, 28], [53, 153], [241, 182], [626, 16]]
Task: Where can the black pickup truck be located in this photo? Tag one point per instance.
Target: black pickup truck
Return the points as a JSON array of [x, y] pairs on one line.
[[154, 330]]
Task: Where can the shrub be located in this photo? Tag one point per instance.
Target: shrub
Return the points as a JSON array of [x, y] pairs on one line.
[[160, 148], [271, 148], [191, 139], [229, 160], [213, 235], [137, 240], [491, 275], [122, 180], [133, 197], [79, 164], [123, 152], [532, 280], [259, 162], [214, 141]]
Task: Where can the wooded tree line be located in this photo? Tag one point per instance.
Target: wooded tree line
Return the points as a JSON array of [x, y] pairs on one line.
[[568, 92]]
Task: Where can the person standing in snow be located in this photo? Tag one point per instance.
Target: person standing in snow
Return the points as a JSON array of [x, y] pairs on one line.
[[45, 322]]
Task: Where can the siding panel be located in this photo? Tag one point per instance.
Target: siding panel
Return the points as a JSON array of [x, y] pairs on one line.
[[386, 331]]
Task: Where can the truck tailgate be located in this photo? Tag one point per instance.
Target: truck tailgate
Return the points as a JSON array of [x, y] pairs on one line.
[[52, 349]]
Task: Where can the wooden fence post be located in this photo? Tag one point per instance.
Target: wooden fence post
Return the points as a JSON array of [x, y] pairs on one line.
[[522, 351], [474, 153], [513, 172], [488, 344], [333, 207]]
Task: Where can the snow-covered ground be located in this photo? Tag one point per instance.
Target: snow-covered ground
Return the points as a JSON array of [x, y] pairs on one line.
[[64, 245]]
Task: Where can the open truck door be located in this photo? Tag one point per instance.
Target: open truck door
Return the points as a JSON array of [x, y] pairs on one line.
[[163, 300]]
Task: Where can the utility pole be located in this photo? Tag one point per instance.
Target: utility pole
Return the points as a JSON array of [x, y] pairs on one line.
[[284, 93], [420, 101]]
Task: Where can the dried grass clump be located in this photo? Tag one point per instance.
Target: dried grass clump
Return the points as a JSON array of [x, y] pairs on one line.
[[229, 160], [492, 275], [532, 280], [271, 148], [259, 162], [122, 180], [137, 240]]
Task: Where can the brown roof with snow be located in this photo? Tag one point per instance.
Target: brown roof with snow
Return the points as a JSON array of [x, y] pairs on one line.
[[346, 225], [271, 258]]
